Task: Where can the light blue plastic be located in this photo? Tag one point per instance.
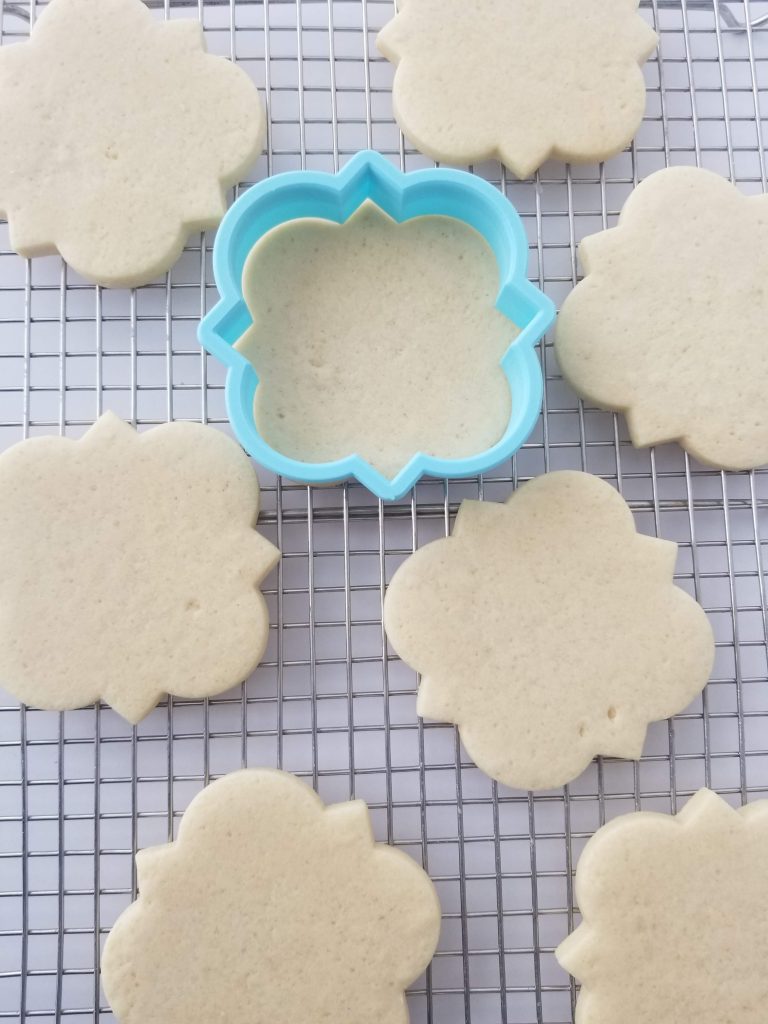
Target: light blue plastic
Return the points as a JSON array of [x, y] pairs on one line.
[[335, 197]]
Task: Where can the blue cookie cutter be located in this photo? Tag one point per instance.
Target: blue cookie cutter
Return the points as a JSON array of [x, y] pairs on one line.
[[335, 197]]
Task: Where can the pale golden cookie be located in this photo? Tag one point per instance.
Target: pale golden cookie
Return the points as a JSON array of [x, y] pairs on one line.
[[548, 630], [521, 80], [669, 324], [675, 917], [129, 567], [271, 909], [119, 136], [378, 338]]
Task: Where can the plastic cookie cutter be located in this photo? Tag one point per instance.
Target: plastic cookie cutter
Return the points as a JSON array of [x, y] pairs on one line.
[[335, 197]]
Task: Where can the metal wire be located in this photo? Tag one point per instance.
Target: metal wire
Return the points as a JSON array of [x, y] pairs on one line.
[[81, 792]]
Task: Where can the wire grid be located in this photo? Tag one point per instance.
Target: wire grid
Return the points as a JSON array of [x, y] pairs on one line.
[[81, 792]]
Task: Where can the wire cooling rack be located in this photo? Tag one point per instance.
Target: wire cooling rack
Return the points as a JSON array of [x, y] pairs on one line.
[[81, 792]]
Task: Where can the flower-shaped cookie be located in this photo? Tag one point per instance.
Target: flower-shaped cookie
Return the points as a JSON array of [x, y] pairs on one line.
[[669, 325], [271, 909], [548, 630], [392, 320], [521, 80], [675, 917], [119, 135], [129, 567]]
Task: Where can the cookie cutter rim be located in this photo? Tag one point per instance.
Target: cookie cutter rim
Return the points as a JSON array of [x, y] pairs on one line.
[[335, 197]]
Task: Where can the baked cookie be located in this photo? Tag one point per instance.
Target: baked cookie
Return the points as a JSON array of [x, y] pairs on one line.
[[129, 567], [669, 324], [675, 917], [548, 630], [522, 81], [271, 909], [119, 137], [385, 341]]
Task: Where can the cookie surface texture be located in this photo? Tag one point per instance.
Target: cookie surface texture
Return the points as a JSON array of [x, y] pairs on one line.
[[271, 908], [384, 342], [129, 567], [120, 135], [668, 325], [548, 630], [522, 81], [675, 917]]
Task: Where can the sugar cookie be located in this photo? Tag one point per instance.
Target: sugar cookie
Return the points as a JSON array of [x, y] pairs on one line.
[[548, 630], [119, 136], [377, 338], [129, 567], [271, 909], [675, 917], [522, 81], [669, 324]]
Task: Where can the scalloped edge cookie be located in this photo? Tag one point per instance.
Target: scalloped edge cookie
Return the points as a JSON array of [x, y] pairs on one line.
[[548, 630], [675, 917], [271, 908], [522, 81], [130, 567], [668, 325], [120, 135]]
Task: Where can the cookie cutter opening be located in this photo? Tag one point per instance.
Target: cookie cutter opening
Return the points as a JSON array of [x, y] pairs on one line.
[[335, 197]]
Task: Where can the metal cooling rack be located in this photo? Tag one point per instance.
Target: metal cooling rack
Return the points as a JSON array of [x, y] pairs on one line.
[[81, 792]]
